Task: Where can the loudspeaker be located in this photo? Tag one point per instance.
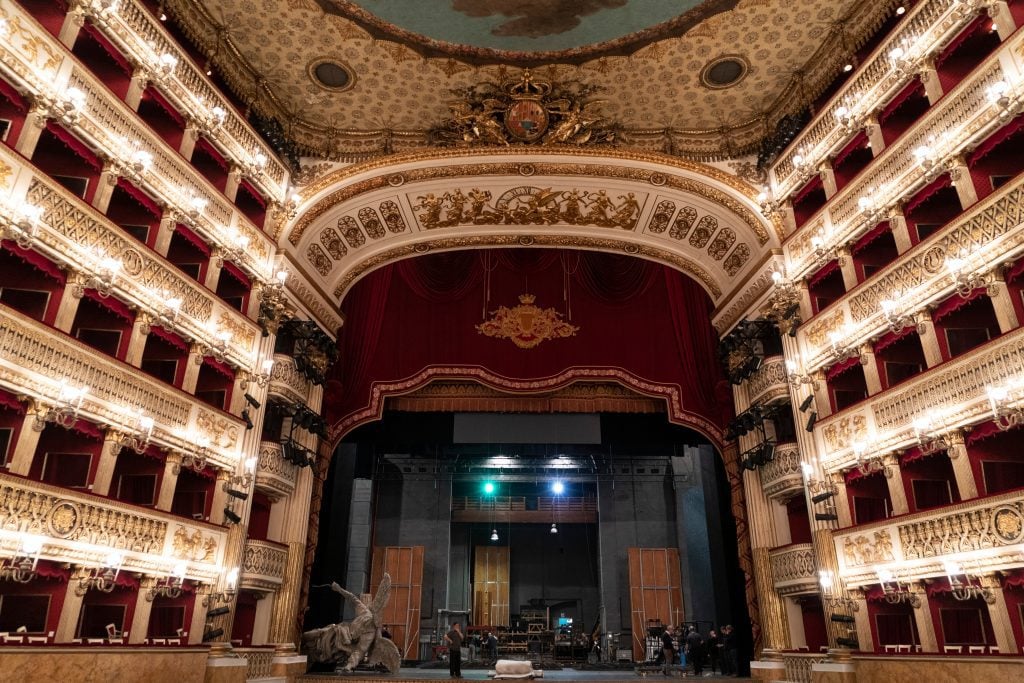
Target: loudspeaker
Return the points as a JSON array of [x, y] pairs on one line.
[[843, 618], [806, 403], [848, 642], [251, 401], [210, 635], [235, 493], [230, 515], [826, 516], [247, 419], [218, 611], [811, 420], [823, 496]]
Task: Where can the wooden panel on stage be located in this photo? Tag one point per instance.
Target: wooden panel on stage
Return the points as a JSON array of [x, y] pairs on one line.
[[655, 592], [490, 585], [402, 613]]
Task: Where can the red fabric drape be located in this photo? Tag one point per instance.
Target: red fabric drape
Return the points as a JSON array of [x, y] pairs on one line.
[[870, 237], [12, 95], [169, 337], [984, 431], [1015, 271], [212, 152], [686, 303], [812, 185], [9, 400], [75, 145], [840, 368], [450, 276], [357, 349], [254, 193], [112, 304], [222, 368], [193, 238], [977, 25], [36, 260], [897, 102], [955, 303], [114, 53], [922, 196], [823, 272], [166, 106], [141, 197], [996, 139], [891, 338], [856, 143], [236, 272], [612, 278]]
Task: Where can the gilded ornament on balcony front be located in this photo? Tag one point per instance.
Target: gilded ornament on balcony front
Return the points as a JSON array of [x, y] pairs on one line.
[[194, 546], [63, 519], [526, 325], [1008, 524], [5, 174], [861, 550]]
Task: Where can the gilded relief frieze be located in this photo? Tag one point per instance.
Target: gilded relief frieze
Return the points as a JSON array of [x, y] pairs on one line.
[[6, 172], [868, 548], [961, 531], [843, 432], [346, 192], [195, 546], [528, 205], [30, 45], [818, 331], [222, 432]]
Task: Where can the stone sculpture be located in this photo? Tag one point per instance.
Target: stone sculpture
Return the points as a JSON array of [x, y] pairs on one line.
[[356, 640]]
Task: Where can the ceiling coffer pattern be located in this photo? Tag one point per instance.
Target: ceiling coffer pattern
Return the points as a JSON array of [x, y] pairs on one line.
[[264, 49]]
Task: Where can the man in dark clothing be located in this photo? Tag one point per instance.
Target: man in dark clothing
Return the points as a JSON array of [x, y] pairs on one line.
[[492, 646], [712, 646], [695, 651], [668, 649], [454, 640], [728, 640]]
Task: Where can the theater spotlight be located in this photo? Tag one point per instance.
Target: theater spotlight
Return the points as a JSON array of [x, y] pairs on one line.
[[558, 488], [210, 635], [822, 497], [806, 403], [494, 534], [230, 515], [811, 419], [850, 643], [843, 618], [247, 419], [826, 516], [251, 401], [489, 489], [218, 611], [235, 493]]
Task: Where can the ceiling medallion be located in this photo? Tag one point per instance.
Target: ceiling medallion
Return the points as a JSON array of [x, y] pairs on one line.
[[526, 111], [724, 72], [331, 74], [526, 325]]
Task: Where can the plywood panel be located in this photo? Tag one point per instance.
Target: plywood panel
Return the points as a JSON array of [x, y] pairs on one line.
[[655, 591], [402, 613], [490, 586]]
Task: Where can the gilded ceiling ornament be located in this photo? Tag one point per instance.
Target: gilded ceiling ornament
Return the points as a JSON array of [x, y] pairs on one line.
[[1008, 524], [526, 325], [526, 111]]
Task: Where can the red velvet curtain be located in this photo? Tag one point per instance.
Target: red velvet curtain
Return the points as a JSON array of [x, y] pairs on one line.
[[447, 276], [694, 344], [614, 279]]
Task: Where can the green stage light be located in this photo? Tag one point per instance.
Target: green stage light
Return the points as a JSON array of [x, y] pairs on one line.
[[488, 487]]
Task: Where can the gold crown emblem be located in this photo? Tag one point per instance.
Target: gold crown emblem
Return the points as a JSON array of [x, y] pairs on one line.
[[526, 87], [527, 298]]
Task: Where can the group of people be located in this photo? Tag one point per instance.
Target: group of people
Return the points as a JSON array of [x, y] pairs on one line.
[[455, 638], [717, 649]]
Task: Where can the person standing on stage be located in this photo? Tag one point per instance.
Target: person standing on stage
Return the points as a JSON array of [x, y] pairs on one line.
[[492, 646], [454, 640], [713, 648], [668, 649], [695, 651]]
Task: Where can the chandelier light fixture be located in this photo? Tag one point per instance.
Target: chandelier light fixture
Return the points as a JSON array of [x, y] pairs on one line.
[[102, 577], [966, 586], [22, 567], [1005, 403], [20, 223], [896, 590], [169, 586], [66, 409], [227, 594]]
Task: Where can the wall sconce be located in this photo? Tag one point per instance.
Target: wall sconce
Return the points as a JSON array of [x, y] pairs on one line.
[[138, 438], [195, 206], [229, 592], [167, 314], [238, 485], [105, 270], [797, 378], [896, 590], [933, 434], [163, 67], [821, 491], [216, 349], [20, 224], [289, 209], [101, 578], [968, 588], [898, 319], [195, 458], [255, 165], [234, 250], [839, 348], [904, 58], [64, 107], [869, 464], [65, 412], [967, 281], [99, 8], [872, 207], [169, 586], [1001, 95], [850, 119], [22, 567], [833, 600], [1004, 402], [804, 166], [260, 378], [209, 121]]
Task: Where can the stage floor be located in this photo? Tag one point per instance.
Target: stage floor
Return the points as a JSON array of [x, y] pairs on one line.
[[414, 675]]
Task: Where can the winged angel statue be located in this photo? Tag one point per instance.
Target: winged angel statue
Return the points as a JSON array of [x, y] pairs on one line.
[[357, 639]]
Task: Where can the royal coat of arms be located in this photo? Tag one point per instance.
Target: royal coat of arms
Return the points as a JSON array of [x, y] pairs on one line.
[[525, 111], [526, 325]]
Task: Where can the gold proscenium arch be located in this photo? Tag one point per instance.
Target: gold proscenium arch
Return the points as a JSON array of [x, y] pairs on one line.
[[692, 217]]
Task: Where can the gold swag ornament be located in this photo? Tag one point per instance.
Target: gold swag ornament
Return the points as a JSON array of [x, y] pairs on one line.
[[526, 325]]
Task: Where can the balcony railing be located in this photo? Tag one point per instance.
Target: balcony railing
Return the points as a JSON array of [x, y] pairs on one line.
[[82, 529], [783, 477], [769, 382], [263, 565], [35, 359], [275, 476], [799, 665], [287, 382], [983, 535], [961, 119], [793, 568], [258, 659]]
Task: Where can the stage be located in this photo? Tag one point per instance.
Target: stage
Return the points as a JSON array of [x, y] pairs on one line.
[[415, 675]]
